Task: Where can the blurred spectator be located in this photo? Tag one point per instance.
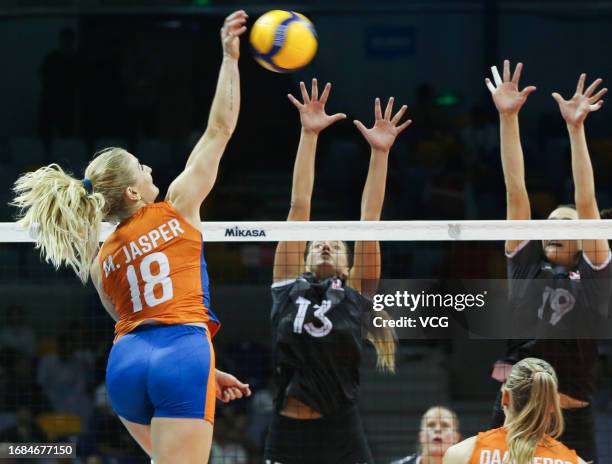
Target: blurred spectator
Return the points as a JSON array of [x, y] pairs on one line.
[[25, 429], [63, 379], [251, 361], [226, 449], [16, 334], [439, 431], [261, 410], [59, 74], [21, 387], [431, 119], [107, 436], [94, 459], [140, 74], [481, 137]]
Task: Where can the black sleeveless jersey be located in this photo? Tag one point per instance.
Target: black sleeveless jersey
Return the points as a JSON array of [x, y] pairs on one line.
[[559, 302], [317, 335]]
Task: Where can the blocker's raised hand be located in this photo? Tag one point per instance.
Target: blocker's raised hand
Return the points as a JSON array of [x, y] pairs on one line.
[[312, 111], [382, 135], [576, 109], [507, 97]]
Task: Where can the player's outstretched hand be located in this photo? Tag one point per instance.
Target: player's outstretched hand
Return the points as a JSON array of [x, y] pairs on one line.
[[229, 388], [507, 97], [382, 135], [312, 108], [233, 28], [576, 109]]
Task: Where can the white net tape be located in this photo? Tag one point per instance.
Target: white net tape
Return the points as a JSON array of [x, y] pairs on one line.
[[275, 231]]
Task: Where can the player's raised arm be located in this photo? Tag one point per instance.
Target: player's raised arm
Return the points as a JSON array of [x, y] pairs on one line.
[[574, 112], [193, 185], [289, 258], [509, 100], [366, 266]]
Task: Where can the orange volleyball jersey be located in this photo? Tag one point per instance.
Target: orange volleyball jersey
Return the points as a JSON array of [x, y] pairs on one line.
[[153, 268], [492, 448]]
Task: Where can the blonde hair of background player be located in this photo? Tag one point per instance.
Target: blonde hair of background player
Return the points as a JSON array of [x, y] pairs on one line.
[[65, 216]]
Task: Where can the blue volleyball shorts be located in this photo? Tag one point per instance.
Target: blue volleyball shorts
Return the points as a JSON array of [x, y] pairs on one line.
[[162, 371]]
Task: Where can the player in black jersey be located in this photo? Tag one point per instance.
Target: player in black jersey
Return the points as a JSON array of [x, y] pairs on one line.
[[555, 285], [319, 308]]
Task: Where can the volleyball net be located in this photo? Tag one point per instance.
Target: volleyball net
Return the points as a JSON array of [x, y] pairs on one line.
[[55, 335]]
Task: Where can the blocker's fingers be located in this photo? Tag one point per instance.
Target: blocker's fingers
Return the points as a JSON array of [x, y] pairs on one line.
[[598, 95], [337, 117], [325, 94], [558, 98], [591, 88], [401, 128], [389, 108], [527, 90], [314, 94], [295, 101], [496, 77], [490, 85], [377, 110], [361, 127], [305, 96], [399, 115], [506, 71], [580, 85], [517, 73], [597, 105]]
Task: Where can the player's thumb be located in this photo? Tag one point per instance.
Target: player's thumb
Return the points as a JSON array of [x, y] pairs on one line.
[[360, 126], [528, 90], [558, 98]]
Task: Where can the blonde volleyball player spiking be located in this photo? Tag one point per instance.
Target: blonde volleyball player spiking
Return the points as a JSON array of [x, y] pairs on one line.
[[150, 274]]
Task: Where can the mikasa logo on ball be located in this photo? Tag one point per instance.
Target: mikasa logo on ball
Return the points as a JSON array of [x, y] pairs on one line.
[[237, 232]]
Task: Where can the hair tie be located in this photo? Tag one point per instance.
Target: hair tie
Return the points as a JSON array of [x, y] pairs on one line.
[[88, 185]]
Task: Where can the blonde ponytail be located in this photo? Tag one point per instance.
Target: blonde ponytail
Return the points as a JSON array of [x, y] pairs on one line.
[[63, 215], [66, 214], [535, 408]]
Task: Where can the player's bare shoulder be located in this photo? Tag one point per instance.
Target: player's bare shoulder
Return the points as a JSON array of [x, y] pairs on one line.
[[461, 452]]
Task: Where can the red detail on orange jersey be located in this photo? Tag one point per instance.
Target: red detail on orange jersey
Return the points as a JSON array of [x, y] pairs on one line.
[[152, 270], [491, 448]]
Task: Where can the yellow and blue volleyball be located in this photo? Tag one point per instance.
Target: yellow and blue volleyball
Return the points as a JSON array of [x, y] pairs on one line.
[[283, 41]]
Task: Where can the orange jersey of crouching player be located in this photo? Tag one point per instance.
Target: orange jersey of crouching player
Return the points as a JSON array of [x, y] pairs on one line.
[[492, 448]]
